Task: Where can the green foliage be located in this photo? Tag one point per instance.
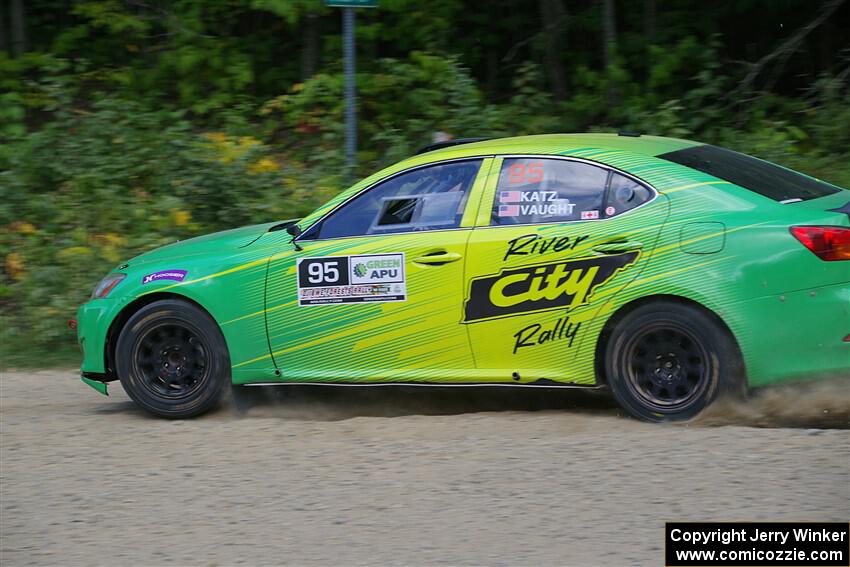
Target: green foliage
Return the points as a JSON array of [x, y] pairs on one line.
[[290, 10]]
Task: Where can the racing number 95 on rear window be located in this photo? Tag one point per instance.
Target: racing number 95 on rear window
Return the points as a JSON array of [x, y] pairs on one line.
[[351, 279]]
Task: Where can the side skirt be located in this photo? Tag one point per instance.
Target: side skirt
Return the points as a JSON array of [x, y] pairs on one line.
[[548, 384]]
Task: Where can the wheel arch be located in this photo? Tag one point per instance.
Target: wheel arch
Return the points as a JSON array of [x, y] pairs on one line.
[[124, 315], [625, 309]]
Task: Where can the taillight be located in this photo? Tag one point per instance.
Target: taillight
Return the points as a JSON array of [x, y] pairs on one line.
[[828, 243]]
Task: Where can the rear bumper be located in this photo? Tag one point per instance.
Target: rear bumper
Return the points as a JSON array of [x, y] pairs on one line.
[[797, 335]]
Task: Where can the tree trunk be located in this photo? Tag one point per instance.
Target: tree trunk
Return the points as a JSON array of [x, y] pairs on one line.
[[310, 47], [553, 18], [650, 15], [609, 43], [824, 47], [19, 30], [4, 39], [492, 71], [609, 31]]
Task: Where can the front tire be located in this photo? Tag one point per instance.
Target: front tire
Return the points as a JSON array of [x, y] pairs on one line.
[[668, 361], [172, 360]]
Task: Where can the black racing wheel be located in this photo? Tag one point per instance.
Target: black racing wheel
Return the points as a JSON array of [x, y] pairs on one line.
[[667, 361], [172, 359]]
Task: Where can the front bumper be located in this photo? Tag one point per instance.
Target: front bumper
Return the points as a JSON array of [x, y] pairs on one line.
[[93, 320], [98, 385]]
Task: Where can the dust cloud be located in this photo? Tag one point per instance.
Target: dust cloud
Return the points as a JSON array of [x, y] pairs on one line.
[[819, 404]]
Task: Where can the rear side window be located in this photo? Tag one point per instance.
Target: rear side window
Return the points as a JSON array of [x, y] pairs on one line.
[[538, 191], [534, 190], [624, 194], [762, 177]]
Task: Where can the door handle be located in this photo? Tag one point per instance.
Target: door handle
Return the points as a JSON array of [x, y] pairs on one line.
[[438, 258], [618, 246]]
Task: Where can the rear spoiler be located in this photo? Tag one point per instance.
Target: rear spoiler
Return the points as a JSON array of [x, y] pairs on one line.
[[845, 208]]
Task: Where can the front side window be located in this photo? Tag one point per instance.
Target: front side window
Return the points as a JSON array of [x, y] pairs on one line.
[[428, 198], [535, 190]]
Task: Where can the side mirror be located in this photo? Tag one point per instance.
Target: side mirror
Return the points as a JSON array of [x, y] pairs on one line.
[[294, 230]]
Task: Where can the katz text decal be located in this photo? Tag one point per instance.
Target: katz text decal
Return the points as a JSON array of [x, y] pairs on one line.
[[555, 285], [351, 279], [173, 275]]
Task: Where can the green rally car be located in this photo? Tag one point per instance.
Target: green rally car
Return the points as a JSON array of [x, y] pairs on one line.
[[667, 270]]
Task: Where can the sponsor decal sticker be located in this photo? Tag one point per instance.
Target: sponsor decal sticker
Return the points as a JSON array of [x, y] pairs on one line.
[[609, 211], [589, 215], [173, 275], [351, 279], [554, 285]]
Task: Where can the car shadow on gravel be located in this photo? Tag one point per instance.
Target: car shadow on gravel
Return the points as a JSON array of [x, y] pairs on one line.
[[327, 403]]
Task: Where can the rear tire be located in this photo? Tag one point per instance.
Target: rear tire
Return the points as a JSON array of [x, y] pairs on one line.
[[667, 361], [172, 360]]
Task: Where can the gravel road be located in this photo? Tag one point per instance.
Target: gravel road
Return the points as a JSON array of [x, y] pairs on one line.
[[398, 476]]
